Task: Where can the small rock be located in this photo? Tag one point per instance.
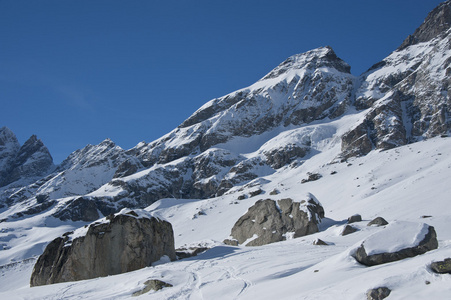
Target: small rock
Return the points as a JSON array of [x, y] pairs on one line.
[[241, 197], [348, 230], [153, 284], [274, 192], [379, 221], [231, 242], [320, 242], [442, 267], [255, 193], [378, 293], [354, 218]]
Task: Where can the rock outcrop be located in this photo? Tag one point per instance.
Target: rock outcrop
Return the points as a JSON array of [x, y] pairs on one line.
[[397, 241], [119, 243], [269, 221]]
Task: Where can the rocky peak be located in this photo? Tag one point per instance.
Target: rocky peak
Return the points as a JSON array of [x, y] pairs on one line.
[[31, 160], [9, 146], [438, 21], [7, 137], [313, 59]]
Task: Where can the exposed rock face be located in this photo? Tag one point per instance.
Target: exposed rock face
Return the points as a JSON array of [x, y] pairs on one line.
[[407, 92], [378, 293], [121, 243], [268, 221], [373, 252], [436, 23]]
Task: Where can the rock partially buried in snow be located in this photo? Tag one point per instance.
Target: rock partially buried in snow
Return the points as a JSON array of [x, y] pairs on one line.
[[354, 218], [378, 293], [269, 221], [379, 221], [397, 241], [152, 285], [442, 267], [348, 230], [120, 243]]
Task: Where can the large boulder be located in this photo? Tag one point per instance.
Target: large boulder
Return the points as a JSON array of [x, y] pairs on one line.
[[397, 241], [119, 243], [269, 221]]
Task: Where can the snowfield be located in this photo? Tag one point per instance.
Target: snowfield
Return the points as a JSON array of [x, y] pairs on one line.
[[406, 184]]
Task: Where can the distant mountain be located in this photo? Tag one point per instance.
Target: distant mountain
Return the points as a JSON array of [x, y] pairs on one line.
[[241, 137]]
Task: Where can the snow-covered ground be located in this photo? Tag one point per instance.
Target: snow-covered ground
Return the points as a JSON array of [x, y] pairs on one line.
[[410, 183]]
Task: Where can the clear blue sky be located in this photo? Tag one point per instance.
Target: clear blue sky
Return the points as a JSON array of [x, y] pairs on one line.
[[75, 72]]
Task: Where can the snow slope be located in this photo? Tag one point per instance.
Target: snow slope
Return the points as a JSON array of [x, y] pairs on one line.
[[402, 184]]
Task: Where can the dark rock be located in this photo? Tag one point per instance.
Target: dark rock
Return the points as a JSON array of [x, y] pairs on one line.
[[80, 209], [437, 22], [354, 218], [320, 242], [268, 221], [428, 243], [311, 177], [231, 242], [348, 230], [152, 285], [379, 221], [378, 293], [255, 193], [123, 244], [442, 267], [189, 252]]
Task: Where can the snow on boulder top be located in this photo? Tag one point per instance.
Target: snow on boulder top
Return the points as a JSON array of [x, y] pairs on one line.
[[313, 59], [395, 237], [135, 213]]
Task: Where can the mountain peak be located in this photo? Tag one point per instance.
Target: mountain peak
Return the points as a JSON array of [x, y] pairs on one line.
[[8, 137], [313, 59], [437, 22]]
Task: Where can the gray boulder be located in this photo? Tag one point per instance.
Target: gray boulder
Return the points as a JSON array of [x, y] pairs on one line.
[[442, 267], [379, 221], [354, 218], [378, 293], [397, 241], [269, 221], [152, 285], [117, 244], [348, 230]]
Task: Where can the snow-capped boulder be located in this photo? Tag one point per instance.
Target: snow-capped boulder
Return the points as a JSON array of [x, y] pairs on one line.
[[397, 241], [269, 221], [119, 243]]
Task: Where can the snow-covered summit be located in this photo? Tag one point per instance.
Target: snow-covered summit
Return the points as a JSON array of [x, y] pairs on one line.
[[323, 57]]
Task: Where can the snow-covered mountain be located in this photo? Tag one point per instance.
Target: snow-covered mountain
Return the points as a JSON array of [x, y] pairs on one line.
[[376, 145]]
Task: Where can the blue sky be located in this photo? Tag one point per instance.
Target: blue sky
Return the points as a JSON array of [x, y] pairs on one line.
[[77, 72]]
